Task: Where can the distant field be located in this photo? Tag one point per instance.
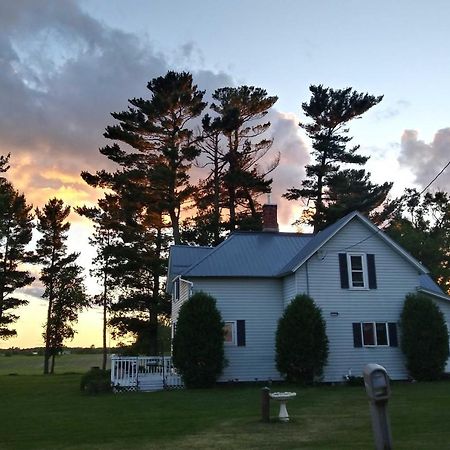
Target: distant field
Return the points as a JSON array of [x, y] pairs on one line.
[[33, 365]]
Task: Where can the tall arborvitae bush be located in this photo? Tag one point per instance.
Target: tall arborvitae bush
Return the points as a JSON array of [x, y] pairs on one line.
[[301, 341], [424, 338], [198, 351]]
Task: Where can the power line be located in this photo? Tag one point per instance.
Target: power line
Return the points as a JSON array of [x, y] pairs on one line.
[[434, 179]]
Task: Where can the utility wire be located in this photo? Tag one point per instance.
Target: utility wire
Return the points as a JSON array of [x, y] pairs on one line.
[[382, 229], [434, 179]]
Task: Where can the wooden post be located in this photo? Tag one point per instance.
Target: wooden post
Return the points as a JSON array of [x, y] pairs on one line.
[[265, 404]]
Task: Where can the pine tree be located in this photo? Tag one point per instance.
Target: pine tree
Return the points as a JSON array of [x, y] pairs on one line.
[[137, 257], [60, 275], [159, 130], [333, 190], [106, 220], [16, 230], [151, 185], [233, 146]]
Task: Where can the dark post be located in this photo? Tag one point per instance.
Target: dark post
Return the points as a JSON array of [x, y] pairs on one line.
[[265, 404]]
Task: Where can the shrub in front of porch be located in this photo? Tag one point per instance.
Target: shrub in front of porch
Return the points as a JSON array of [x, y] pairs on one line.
[[198, 352], [301, 341]]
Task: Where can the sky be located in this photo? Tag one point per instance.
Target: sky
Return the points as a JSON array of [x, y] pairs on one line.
[[66, 65]]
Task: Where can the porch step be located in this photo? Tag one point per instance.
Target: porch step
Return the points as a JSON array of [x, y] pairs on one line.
[[151, 384]]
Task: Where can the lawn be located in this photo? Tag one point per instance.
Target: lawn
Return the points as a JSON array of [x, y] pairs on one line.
[[50, 413]]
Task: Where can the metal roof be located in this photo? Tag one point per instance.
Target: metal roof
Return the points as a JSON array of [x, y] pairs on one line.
[[182, 257], [250, 254], [428, 285], [271, 254]]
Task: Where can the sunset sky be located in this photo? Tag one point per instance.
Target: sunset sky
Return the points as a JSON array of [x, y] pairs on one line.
[[65, 65]]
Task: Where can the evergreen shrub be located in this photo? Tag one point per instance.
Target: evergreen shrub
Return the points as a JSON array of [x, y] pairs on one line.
[[301, 341], [198, 344], [424, 338]]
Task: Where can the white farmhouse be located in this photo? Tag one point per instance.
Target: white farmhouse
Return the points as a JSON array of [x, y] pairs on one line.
[[355, 273]]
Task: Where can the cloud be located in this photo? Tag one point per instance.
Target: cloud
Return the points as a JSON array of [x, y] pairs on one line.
[[55, 103], [64, 72], [426, 160], [392, 111]]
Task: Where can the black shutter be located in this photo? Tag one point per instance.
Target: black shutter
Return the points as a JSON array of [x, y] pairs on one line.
[[357, 336], [343, 270], [393, 341], [371, 271], [240, 327]]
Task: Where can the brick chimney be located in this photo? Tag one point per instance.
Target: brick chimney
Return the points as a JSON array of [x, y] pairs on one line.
[[269, 218]]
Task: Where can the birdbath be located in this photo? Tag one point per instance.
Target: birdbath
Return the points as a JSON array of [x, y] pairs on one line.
[[283, 397]]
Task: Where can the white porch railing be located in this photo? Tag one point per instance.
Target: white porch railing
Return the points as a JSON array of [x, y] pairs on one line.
[[143, 373]]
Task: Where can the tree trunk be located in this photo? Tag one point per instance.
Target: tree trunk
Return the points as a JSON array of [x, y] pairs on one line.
[[49, 315], [105, 301], [153, 325], [52, 369]]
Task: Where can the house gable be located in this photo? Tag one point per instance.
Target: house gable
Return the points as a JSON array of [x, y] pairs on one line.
[[321, 238]]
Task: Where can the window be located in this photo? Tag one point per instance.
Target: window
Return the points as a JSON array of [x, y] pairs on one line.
[[375, 334], [229, 333], [357, 271], [176, 289], [234, 333]]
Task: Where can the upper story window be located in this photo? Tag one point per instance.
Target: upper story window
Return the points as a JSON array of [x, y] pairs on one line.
[[357, 271]]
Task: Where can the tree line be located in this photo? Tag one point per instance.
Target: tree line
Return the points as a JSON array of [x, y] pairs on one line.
[[149, 202]]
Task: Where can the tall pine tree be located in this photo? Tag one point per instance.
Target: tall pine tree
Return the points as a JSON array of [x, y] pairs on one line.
[[106, 220], [61, 276], [16, 228], [234, 143], [333, 189], [158, 128]]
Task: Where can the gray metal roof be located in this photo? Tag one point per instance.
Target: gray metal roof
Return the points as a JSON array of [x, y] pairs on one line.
[[427, 284], [250, 254], [270, 254], [182, 257]]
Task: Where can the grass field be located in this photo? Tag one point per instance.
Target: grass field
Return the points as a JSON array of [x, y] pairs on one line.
[[33, 365], [50, 413]]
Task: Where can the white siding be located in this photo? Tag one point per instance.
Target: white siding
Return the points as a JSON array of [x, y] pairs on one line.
[[259, 303], [185, 288], [289, 289], [395, 278], [444, 306]]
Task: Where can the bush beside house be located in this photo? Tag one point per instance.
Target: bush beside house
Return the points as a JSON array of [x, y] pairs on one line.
[[301, 341], [198, 343], [424, 338]]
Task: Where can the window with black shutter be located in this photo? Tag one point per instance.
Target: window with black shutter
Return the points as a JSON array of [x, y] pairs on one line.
[[357, 271], [375, 334]]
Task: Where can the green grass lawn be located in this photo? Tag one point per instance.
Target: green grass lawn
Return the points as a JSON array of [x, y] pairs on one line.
[[40, 412], [34, 365]]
